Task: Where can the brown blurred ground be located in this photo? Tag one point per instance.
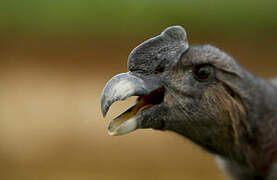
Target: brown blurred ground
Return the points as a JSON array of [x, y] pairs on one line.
[[50, 121]]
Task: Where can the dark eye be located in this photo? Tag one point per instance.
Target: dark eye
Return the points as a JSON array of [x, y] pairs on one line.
[[203, 72]]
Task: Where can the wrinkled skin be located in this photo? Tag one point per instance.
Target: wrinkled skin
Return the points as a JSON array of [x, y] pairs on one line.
[[229, 112]]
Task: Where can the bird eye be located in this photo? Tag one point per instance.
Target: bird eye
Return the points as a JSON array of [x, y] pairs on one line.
[[203, 72]]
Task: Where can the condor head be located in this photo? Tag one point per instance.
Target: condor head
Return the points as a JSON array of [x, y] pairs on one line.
[[199, 92]]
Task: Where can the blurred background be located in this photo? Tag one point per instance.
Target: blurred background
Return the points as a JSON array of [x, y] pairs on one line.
[[57, 55]]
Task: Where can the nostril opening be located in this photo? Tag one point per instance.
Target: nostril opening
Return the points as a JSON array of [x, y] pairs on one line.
[[159, 70]]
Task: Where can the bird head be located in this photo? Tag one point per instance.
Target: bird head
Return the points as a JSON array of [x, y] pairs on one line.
[[199, 92]]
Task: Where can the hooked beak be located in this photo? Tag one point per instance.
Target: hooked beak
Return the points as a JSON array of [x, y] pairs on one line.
[[122, 86]]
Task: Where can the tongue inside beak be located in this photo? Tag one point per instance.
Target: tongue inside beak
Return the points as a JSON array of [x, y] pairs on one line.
[[128, 121]]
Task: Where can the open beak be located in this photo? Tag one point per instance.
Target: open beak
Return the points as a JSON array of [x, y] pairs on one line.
[[122, 86]]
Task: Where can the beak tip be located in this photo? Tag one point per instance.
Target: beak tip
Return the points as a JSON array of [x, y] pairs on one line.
[[115, 129], [120, 87], [110, 133], [104, 105]]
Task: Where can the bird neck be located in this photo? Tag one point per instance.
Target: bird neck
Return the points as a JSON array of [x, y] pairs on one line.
[[258, 141]]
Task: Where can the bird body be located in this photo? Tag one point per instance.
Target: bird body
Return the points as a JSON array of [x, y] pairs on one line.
[[203, 94]]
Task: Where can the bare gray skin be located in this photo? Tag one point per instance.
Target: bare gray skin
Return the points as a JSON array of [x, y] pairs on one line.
[[203, 94]]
